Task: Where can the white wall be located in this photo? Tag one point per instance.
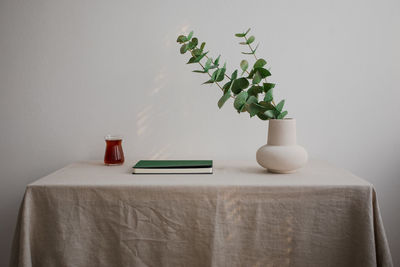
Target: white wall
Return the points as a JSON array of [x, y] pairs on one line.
[[73, 71]]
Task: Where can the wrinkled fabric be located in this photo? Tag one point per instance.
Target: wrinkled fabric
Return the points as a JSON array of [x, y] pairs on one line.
[[87, 214]]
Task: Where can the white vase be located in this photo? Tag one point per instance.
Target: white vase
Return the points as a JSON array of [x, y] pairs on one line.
[[281, 154]]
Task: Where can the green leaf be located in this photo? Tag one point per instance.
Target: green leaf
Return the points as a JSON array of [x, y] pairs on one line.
[[193, 43], [190, 35], [280, 105], [203, 44], [240, 35], [254, 90], [257, 78], [262, 116], [240, 100], [244, 65], [268, 86], [260, 63], [220, 74], [250, 40], [208, 64], [199, 71], [214, 75], [239, 84], [263, 72], [191, 60], [268, 96], [224, 98], [247, 53], [216, 61], [181, 39], [282, 115], [266, 105], [197, 52], [184, 48], [252, 107], [190, 46], [251, 74], [217, 73], [200, 57], [243, 43], [209, 81], [251, 99], [227, 86], [247, 31], [234, 75], [270, 114]]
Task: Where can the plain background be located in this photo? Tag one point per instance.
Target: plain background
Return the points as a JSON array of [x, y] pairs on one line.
[[73, 71]]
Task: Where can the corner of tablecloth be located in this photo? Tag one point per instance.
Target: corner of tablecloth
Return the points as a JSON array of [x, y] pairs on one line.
[[382, 250], [20, 249]]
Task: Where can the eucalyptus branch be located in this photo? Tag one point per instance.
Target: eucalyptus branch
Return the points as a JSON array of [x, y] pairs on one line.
[[253, 51], [224, 74], [245, 90], [211, 76]]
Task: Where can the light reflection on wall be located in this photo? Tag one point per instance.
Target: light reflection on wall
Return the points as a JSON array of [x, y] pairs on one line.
[[148, 127], [162, 153], [142, 120], [159, 82], [184, 28]]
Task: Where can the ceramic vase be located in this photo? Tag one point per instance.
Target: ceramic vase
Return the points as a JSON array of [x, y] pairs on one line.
[[281, 154]]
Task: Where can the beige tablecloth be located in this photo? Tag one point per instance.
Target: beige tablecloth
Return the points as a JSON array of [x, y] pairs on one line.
[[87, 214]]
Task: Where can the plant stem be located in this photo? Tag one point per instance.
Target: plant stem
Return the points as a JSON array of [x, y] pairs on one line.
[[251, 49]]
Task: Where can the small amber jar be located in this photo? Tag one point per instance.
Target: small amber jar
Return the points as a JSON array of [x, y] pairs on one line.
[[114, 155]]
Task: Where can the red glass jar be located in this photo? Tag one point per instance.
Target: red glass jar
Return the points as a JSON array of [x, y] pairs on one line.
[[114, 154]]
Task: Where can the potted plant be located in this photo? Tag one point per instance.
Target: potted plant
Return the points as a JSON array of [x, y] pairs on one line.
[[251, 93]]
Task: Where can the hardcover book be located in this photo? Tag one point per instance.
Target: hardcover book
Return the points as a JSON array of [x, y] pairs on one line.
[[173, 166]]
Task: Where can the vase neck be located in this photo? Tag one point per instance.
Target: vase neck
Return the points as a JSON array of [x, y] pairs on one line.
[[282, 132]]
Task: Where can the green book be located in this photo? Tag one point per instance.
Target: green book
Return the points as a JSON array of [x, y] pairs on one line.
[[172, 166]]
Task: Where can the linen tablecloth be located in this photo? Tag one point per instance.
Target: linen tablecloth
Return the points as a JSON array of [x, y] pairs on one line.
[[88, 214]]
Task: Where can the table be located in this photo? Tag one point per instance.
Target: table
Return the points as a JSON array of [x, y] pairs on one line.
[[88, 214]]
